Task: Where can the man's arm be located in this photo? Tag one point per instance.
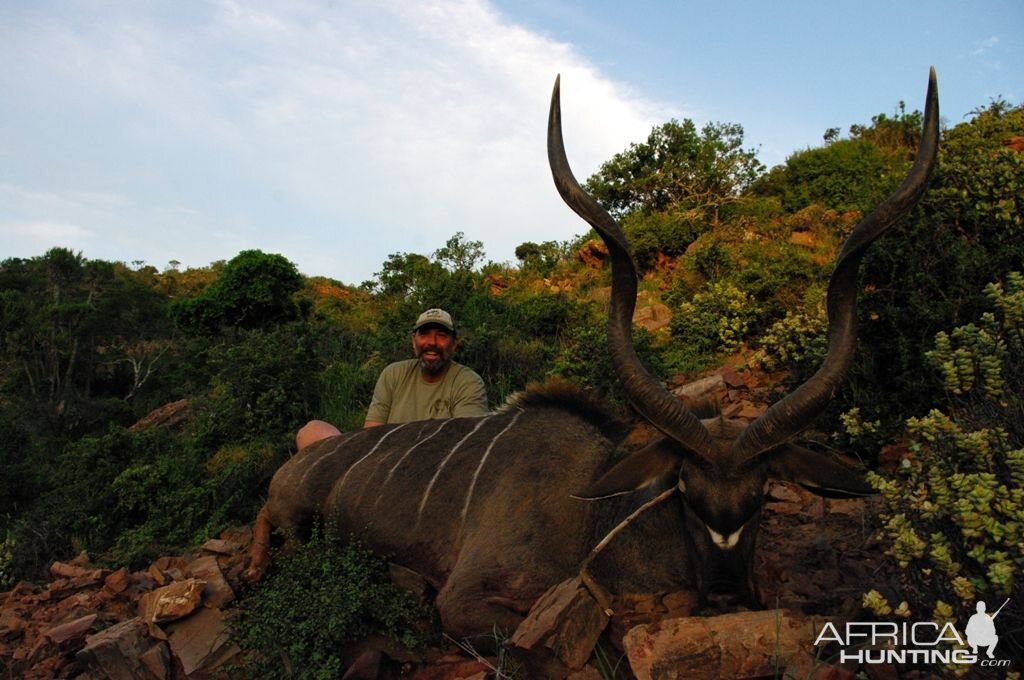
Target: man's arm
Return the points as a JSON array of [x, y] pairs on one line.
[[380, 404], [470, 395]]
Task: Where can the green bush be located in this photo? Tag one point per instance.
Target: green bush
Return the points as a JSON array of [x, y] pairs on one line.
[[668, 233], [798, 341], [583, 358], [715, 319], [316, 599], [954, 510]]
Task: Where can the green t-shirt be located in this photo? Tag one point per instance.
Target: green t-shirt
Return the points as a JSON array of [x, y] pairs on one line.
[[402, 395]]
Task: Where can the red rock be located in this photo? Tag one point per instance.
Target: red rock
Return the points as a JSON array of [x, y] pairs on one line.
[[745, 644], [460, 670], [157, 661], [171, 602], [66, 631], [200, 642], [217, 592], [117, 652], [221, 547], [565, 620], [117, 581]]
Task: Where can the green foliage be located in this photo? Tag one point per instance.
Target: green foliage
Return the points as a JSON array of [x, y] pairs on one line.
[[927, 274], [850, 174], [798, 340], [264, 383], [714, 321], [458, 254], [253, 291], [345, 390], [318, 598], [585, 360], [954, 510], [678, 169], [668, 232], [541, 258]]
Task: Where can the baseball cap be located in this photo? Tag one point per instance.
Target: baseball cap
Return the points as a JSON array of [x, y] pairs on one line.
[[436, 316]]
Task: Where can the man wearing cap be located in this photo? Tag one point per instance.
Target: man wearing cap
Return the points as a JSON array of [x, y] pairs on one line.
[[429, 386]]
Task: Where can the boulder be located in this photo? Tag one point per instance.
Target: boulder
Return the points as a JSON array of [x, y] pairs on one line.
[[171, 602], [566, 621], [123, 652], [740, 645], [217, 592], [201, 642]]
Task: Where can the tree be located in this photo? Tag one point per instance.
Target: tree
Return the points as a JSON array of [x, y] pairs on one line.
[[458, 254], [254, 290], [678, 169]]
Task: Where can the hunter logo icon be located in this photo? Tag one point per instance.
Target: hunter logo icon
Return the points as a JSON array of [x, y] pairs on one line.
[[981, 630]]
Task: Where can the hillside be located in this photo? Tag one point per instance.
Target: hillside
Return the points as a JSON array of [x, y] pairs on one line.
[[733, 280]]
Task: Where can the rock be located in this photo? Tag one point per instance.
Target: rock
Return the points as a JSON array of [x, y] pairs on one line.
[[653, 317], [171, 602], [457, 670], [117, 581], [593, 253], [410, 581], [200, 642], [217, 592], [12, 626], [740, 645], [221, 547], [585, 673], [116, 653], [167, 415], [699, 388], [157, 660], [70, 571], [803, 238], [751, 411], [566, 620], [58, 635]]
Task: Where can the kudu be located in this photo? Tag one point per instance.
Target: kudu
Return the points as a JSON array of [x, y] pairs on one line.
[[484, 508]]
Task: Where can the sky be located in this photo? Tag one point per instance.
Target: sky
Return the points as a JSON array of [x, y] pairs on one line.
[[338, 132]]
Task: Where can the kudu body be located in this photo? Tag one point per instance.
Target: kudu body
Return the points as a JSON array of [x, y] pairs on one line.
[[484, 507]]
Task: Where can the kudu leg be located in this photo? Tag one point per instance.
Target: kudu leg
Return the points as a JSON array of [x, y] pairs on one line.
[[259, 551]]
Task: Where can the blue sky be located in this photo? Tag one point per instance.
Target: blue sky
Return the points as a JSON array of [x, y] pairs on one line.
[[338, 132]]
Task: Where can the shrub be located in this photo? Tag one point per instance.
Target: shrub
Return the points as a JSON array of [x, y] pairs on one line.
[[714, 320], [316, 599], [954, 510]]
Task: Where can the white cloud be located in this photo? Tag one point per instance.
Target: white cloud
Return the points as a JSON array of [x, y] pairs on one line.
[[371, 127]]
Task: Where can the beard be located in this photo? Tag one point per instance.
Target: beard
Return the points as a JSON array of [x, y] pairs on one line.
[[434, 365]]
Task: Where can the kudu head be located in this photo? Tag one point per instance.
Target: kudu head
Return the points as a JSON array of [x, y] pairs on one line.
[[722, 465]]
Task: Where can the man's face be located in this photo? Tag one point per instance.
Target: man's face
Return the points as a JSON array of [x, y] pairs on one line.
[[433, 346]]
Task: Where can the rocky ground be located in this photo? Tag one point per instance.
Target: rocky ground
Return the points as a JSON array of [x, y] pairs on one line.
[[815, 559]]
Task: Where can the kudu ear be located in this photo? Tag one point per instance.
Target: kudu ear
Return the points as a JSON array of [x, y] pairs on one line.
[[817, 473], [637, 471]]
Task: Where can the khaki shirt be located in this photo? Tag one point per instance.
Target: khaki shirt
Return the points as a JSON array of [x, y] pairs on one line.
[[402, 395]]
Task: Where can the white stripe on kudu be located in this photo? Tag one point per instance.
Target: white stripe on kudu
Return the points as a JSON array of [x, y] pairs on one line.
[[368, 454], [406, 455], [347, 438], [483, 459], [426, 494]]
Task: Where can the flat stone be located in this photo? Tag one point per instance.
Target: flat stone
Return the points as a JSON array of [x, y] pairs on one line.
[[66, 631], [171, 602], [566, 620], [740, 645], [221, 547], [217, 592], [201, 641], [117, 581], [116, 653]]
